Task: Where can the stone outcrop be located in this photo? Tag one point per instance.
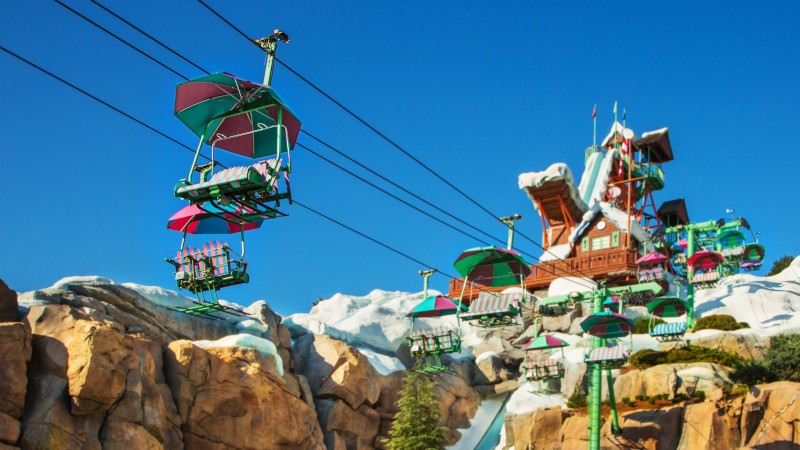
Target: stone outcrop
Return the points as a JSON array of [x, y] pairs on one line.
[[769, 416], [8, 303], [748, 346], [233, 397], [15, 352], [671, 379]]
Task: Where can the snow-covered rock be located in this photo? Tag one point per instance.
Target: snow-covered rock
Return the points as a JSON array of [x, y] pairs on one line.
[[555, 172], [261, 345]]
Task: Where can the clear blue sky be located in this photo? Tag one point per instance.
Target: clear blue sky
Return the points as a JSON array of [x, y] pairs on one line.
[[479, 91]]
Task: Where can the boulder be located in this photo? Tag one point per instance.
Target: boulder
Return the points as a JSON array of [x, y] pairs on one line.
[[705, 426], [357, 428], [654, 429], [335, 369], [8, 303], [747, 345], [15, 352], [769, 416], [233, 397], [489, 390], [562, 322], [9, 429], [536, 429], [458, 402], [671, 379], [490, 369], [261, 311]]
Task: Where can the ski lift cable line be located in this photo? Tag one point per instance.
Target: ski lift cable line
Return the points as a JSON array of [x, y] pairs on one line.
[[104, 103], [365, 123], [150, 37], [390, 194], [184, 77], [120, 39]]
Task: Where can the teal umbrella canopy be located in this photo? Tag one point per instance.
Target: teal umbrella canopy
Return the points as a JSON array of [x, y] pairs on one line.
[[236, 115], [544, 342], [608, 325], [492, 266], [667, 307], [436, 306]]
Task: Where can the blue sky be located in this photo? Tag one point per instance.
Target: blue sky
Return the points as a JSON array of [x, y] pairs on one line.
[[480, 92]]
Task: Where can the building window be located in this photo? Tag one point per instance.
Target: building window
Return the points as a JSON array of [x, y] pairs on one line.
[[601, 243]]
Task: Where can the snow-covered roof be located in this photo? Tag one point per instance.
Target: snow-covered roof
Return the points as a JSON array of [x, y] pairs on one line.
[[595, 177], [618, 217], [626, 133], [557, 171], [651, 133], [556, 252]]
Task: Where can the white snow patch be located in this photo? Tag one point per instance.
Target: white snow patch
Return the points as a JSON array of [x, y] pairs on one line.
[[565, 285], [626, 133], [558, 171], [253, 327], [556, 252], [523, 400], [594, 182], [384, 364], [618, 217], [248, 341], [480, 424], [650, 133], [484, 356]]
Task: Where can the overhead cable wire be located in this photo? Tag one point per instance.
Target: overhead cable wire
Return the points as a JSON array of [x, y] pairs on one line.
[[151, 37], [120, 39], [376, 131], [240, 32]]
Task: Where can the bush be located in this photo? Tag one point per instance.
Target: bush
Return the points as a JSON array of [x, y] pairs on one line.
[[577, 399], [782, 357], [680, 398], [740, 390], [751, 372], [627, 401], [778, 266], [606, 402], [643, 324], [700, 394], [641, 397], [722, 322], [651, 400], [689, 353]]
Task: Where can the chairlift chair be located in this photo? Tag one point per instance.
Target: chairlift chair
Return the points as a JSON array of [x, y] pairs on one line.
[[667, 307], [544, 369], [704, 269]]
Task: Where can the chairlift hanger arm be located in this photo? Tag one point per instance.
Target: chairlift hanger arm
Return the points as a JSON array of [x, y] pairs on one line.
[[603, 291]]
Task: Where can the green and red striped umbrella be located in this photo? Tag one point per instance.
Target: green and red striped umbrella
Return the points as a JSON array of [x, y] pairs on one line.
[[544, 342], [219, 106], [436, 306], [608, 325], [667, 307], [492, 266]]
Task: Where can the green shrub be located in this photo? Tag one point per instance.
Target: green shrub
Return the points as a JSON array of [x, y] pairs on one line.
[[606, 402], [689, 353], [680, 398], [627, 401], [778, 266], [647, 358], [740, 390], [577, 399], [643, 324], [651, 400], [782, 357], [641, 397], [722, 322], [700, 394], [679, 355], [751, 372]]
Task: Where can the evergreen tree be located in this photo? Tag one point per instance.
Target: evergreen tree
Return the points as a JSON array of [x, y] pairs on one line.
[[781, 264], [417, 425]]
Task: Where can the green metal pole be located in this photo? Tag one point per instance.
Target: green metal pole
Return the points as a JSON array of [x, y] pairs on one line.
[[595, 380], [689, 286], [614, 419]]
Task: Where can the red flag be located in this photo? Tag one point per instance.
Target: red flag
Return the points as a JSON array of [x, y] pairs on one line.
[[594, 112]]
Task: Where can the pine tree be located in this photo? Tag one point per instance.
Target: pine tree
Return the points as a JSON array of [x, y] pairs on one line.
[[781, 264], [417, 425]]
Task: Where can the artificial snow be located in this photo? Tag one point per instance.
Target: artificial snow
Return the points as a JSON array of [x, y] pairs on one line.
[[524, 400], [556, 252], [253, 327], [594, 181], [484, 356], [650, 133], [558, 171], [566, 285], [258, 344], [618, 217], [384, 364], [626, 133]]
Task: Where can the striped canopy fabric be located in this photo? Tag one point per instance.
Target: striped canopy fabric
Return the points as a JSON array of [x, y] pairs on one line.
[[668, 329], [261, 175], [651, 258], [704, 260], [608, 325], [492, 266], [544, 342], [489, 303], [667, 307], [603, 354], [436, 306]]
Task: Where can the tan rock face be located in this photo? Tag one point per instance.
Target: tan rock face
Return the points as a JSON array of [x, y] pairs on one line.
[[747, 346], [233, 397], [490, 370], [15, 352], [334, 369], [356, 429], [536, 429], [769, 416], [670, 379], [651, 429]]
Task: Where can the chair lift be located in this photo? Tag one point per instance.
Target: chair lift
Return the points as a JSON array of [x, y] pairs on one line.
[[651, 267], [610, 326], [216, 266], [245, 118], [752, 257], [730, 244], [551, 307], [665, 307], [546, 369], [428, 344], [704, 269]]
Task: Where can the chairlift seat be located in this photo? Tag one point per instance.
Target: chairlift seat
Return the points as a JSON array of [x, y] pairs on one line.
[[750, 265], [542, 370], [609, 357], [439, 340], [652, 274], [261, 176], [705, 280], [209, 269], [668, 331], [491, 309], [732, 253]]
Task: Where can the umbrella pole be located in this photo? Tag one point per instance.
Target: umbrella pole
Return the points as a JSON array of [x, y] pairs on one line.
[[196, 155], [241, 227], [183, 241]]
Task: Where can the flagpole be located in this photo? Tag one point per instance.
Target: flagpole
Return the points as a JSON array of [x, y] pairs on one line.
[[594, 117]]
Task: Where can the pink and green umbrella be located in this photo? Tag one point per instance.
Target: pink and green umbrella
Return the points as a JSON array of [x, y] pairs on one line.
[[704, 260], [436, 306], [209, 219], [545, 342], [680, 245], [667, 307], [219, 106], [492, 266], [608, 325], [651, 258]]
